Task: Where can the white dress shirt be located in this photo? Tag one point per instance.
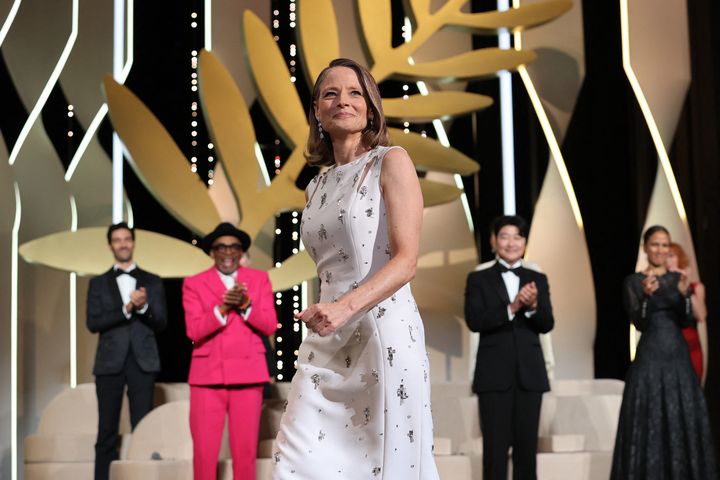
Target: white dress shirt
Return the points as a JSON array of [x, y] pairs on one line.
[[127, 284], [229, 281], [512, 285]]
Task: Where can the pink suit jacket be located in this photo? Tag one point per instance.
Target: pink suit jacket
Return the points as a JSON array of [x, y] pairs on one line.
[[231, 354]]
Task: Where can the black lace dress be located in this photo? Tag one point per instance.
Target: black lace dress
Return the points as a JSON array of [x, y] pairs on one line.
[[663, 431]]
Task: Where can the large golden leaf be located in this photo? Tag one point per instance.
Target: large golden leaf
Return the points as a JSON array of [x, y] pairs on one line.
[[272, 80], [294, 270], [375, 18], [436, 193], [158, 161], [86, 252], [318, 36], [442, 105], [474, 64], [229, 124], [516, 19], [429, 154]]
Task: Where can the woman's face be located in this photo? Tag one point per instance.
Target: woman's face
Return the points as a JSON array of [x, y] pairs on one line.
[[657, 248], [341, 107]]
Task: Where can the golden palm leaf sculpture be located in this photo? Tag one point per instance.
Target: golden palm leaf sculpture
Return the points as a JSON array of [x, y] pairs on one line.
[[163, 169]]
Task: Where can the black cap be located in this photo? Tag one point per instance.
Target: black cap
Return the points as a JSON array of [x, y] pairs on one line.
[[223, 229]]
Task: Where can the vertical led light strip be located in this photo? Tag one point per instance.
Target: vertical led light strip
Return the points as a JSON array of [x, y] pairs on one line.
[[647, 112], [208, 25], [550, 138], [117, 156], [507, 131], [103, 110], [52, 80], [73, 303], [14, 337], [441, 134]]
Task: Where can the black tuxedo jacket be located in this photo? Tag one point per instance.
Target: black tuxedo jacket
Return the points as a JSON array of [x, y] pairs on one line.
[[117, 333], [509, 351]]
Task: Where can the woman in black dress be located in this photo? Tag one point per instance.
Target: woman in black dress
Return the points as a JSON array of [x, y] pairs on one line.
[[663, 431]]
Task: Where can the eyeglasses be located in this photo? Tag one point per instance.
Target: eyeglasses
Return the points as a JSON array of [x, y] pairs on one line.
[[222, 247]]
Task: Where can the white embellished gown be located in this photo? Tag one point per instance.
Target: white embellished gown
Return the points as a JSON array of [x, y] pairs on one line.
[[359, 403]]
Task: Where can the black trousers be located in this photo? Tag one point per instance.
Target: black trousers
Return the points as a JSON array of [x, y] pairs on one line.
[[109, 389], [510, 419]]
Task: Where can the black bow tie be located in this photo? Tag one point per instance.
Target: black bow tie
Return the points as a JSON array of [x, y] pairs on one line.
[[502, 269], [120, 271]]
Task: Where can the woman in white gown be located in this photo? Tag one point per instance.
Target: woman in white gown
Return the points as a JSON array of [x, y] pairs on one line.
[[359, 404]]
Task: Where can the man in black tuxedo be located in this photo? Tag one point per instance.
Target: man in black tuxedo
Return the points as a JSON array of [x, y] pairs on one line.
[[126, 305], [509, 305]]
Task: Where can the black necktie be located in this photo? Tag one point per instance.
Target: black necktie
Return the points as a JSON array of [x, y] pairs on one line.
[[502, 269]]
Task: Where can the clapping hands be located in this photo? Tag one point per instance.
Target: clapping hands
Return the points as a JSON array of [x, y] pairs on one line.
[[526, 298]]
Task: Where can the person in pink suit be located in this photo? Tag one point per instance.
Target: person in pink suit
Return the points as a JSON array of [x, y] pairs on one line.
[[228, 309]]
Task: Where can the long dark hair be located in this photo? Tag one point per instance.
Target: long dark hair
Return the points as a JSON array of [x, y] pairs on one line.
[[319, 151]]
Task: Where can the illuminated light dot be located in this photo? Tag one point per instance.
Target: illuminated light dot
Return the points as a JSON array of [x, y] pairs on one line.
[[70, 133], [294, 214], [71, 114], [211, 146], [405, 87], [278, 295], [292, 24], [295, 250], [292, 7], [294, 236], [276, 24], [279, 353], [194, 241], [194, 15], [193, 107], [193, 168], [278, 264], [296, 328], [279, 363], [294, 220], [295, 364], [194, 143], [292, 79], [279, 339], [296, 353], [296, 288], [406, 124], [193, 75], [405, 97], [295, 298], [277, 141], [292, 16], [193, 88], [278, 231], [193, 133], [193, 123], [193, 159], [296, 311], [296, 305], [279, 325], [193, 24], [211, 181], [278, 302], [276, 12], [70, 107], [276, 38], [292, 63], [194, 53], [194, 114], [280, 376], [423, 134], [193, 82]]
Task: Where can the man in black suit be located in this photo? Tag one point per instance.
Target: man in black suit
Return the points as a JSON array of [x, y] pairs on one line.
[[126, 305], [509, 305]]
